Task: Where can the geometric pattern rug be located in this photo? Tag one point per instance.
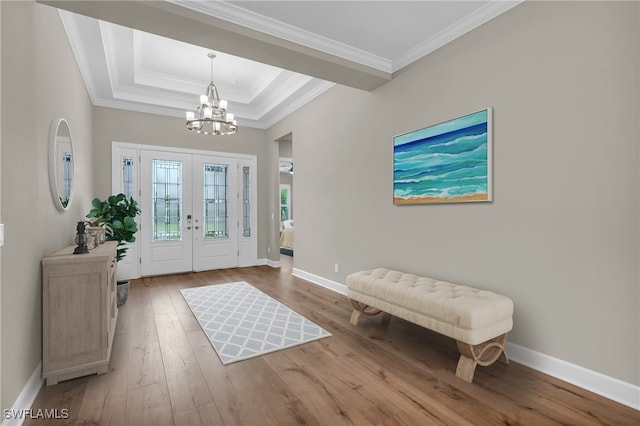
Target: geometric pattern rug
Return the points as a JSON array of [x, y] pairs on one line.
[[242, 322]]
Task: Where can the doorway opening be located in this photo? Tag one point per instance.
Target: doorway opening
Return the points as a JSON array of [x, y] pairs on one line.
[[285, 195]]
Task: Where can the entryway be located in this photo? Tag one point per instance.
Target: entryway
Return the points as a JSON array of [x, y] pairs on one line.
[[198, 209]]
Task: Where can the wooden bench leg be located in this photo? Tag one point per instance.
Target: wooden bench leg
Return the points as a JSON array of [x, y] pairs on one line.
[[386, 319], [361, 308], [355, 317], [483, 354]]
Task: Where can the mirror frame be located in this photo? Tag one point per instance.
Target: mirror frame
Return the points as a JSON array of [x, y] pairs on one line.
[[53, 166]]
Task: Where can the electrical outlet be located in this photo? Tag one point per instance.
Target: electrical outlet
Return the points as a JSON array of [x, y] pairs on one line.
[[335, 268], [268, 250]]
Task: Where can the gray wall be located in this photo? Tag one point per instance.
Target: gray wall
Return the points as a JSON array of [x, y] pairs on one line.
[[40, 81], [150, 129], [561, 236]]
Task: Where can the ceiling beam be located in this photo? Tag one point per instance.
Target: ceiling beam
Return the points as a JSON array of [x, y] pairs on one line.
[[179, 23]]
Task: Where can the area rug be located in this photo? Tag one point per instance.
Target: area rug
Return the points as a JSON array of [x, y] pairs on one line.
[[242, 322]]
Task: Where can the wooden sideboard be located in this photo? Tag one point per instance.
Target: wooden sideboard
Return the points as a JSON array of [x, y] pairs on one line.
[[79, 312]]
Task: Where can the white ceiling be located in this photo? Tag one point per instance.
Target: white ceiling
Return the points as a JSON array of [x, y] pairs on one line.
[[131, 69]]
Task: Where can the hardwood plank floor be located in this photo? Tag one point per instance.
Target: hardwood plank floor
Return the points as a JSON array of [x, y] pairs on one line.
[[164, 371]]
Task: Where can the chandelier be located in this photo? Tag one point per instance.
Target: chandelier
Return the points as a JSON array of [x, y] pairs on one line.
[[213, 118]]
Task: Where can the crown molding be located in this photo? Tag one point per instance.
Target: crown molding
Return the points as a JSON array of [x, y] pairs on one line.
[[71, 28], [114, 90], [463, 26], [286, 108], [249, 19]]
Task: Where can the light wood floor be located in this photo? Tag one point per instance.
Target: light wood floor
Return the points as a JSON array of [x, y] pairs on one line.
[[164, 372]]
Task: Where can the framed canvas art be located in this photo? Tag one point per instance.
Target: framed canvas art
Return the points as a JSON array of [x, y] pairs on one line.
[[448, 162]]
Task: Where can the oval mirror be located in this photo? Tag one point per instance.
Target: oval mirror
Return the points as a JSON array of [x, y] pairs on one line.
[[60, 163]]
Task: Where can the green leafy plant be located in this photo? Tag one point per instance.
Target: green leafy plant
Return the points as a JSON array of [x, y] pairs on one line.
[[118, 213]]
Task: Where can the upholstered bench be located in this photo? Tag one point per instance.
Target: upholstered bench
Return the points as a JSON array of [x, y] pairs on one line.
[[478, 320]]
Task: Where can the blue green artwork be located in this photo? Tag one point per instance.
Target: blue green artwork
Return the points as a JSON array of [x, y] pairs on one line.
[[444, 163]]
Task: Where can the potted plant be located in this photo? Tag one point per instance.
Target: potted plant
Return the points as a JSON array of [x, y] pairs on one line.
[[118, 214]]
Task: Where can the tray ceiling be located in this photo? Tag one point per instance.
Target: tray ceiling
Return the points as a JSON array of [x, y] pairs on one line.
[[124, 67]]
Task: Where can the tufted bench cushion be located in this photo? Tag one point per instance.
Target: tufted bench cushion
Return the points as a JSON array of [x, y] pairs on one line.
[[468, 315], [463, 313]]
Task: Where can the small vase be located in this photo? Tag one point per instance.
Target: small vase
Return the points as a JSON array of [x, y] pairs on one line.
[[91, 242], [98, 233]]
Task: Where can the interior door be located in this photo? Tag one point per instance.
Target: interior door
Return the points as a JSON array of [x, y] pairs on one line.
[[215, 212], [166, 202]]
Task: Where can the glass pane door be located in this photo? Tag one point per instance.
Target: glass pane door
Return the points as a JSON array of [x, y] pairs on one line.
[[215, 243], [199, 211], [166, 203]]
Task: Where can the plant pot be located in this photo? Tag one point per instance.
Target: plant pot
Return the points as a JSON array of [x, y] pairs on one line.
[[98, 232], [122, 292]]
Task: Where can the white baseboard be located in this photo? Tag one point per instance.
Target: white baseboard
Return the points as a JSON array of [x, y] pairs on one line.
[[272, 263], [608, 387], [318, 280], [25, 400]]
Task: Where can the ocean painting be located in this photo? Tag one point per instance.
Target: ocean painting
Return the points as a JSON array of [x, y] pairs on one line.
[[444, 163]]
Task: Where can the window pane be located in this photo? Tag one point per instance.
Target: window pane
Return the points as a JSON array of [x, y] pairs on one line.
[[127, 176], [284, 203], [167, 200], [67, 161], [246, 202], [216, 201]]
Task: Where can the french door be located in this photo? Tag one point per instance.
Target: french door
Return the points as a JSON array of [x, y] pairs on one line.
[[198, 211], [166, 196], [215, 207]]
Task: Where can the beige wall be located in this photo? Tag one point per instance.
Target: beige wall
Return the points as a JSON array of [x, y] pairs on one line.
[[41, 82], [115, 125], [561, 236], [1, 405]]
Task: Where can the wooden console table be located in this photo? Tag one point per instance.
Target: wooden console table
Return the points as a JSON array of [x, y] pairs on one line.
[[79, 312]]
